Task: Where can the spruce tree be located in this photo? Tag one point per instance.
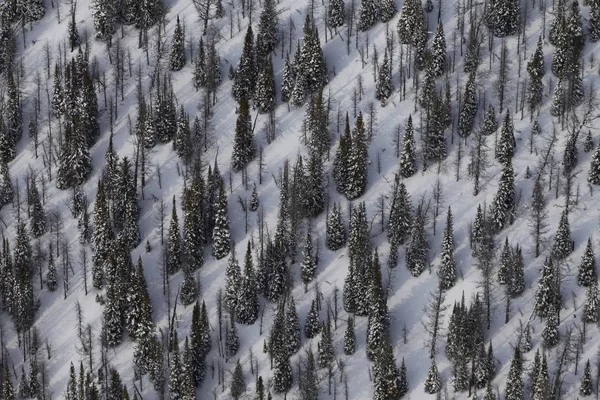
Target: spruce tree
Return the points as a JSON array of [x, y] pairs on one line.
[[244, 149], [505, 198], [589, 142], [341, 163], [13, 119], [336, 13], [173, 261], [503, 17], [433, 384], [505, 267], [594, 21], [102, 236], [408, 162], [438, 51], [590, 307], [238, 385], [233, 282], [314, 186], [550, 334], [311, 327], [368, 14], [112, 328], [176, 377], [563, 245], [336, 233], [349, 337], [384, 86], [200, 72], [268, 29], [38, 215], [138, 318], [540, 383], [309, 265], [548, 295], [447, 271], [254, 202], [282, 376], [466, 116], [535, 68], [105, 19], [517, 280], [506, 144], [416, 253], [357, 161], [232, 340], [6, 188], [386, 376], [490, 125], [587, 273], [514, 382], [326, 352], [245, 76], [292, 328], [247, 302], [403, 386], [287, 82], [472, 55], [377, 327], [264, 97], [51, 276], [221, 237], [587, 384], [594, 173]]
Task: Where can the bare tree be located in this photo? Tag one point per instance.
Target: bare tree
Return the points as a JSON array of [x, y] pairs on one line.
[[434, 314]]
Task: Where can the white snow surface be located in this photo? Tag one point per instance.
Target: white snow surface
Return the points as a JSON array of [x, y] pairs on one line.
[[56, 320]]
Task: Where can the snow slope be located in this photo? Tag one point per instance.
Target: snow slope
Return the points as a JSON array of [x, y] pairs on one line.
[[56, 320]]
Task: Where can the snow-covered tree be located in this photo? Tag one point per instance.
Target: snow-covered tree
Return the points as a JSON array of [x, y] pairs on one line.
[[433, 383], [563, 245], [408, 162], [221, 237], [447, 270]]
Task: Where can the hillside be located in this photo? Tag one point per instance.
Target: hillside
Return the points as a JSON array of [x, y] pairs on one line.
[[446, 183]]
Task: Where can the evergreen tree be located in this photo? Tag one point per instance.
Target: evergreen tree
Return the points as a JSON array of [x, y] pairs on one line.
[[550, 335], [177, 376], [349, 337], [282, 376], [466, 117], [548, 294], [38, 215], [245, 76], [232, 340], [51, 276], [587, 383], [472, 55], [387, 382], [265, 98], [326, 352], [71, 392], [8, 392], [433, 384], [193, 223], [221, 237], [503, 17], [233, 282], [292, 328], [73, 35], [556, 108], [506, 144], [514, 382], [357, 161], [587, 269], [311, 69], [254, 199], [182, 143], [238, 385], [377, 327], [12, 111], [336, 13], [102, 236], [244, 149], [505, 198], [112, 328], [505, 268], [403, 386], [594, 21], [287, 82], [407, 22], [416, 253], [174, 242], [594, 173], [384, 86], [590, 307], [247, 303], [6, 188], [105, 19], [589, 142], [139, 310], [309, 265], [438, 51], [341, 164], [368, 14], [447, 271], [311, 327], [490, 125], [563, 246], [540, 384], [517, 280], [336, 233], [408, 162], [200, 72], [314, 186], [535, 68]]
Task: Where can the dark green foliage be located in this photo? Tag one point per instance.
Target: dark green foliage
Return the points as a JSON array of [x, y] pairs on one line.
[[264, 97], [547, 298], [102, 236], [594, 173], [506, 145], [438, 52], [349, 337], [105, 19], [433, 383], [550, 335], [173, 258], [517, 279], [238, 385], [514, 382], [490, 125], [244, 149], [536, 71], [312, 326], [245, 76], [268, 27], [309, 265], [587, 273], [590, 307], [387, 383], [378, 324], [247, 302], [587, 383], [563, 245], [503, 17], [368, 14], [341, 164], [384, 86], [447, 271], [221, 237], [336, 14], [408, 162], [326, 351], [356, 183], [310, 66], [232, 340], [336, 233], [313, 198], [466, 117], [282, 376], [505, 198], [139, 309], [416, 253]]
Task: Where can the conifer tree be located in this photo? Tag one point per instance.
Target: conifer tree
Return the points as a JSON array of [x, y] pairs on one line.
[[312, 328], [506, 144], [548, 294], [433, 384], [357, 162], [590, 307], [587, 273], [447, 271], [244, 149], [594, 173], [587, 383], [438, 51], [535, 68], [349, 337], [51, 276], [254, 202], [176, 377], [540, 384], [73, 35], [193, 223], [326, 352], [105, 19], [416, 253], [221, 237], [503, 17], [233, 282], [505, 198], [472, 55], [407, 22], [387, 382], [238, 385], [288, 81], [268, 29], [308, 266], [336, 14], [341, 164], [594, 21], [247, 303], [38, 215], [112, 328], [589, 142], [517, 280], [282, 376], [377, 327], [102, 236], [368, 14], [139, 310], [556, 108], [200, 72], [408, 162], [563, 246], [292, 327], [314, 186], [174, 242], [232, 340], [505, 267], [466, 117], [6, 188], [12, 111], [550, 335], [384, 86], [336, 233], [514, 382], [265, 98], [490, 125], [311, 68], [245, 76]]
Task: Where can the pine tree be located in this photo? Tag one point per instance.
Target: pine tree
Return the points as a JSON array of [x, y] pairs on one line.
[[314, 186], [265, 98], [38, 215], [309, 265], [292, 328], [247, 303], [447, 271], [438, 51], [368, 15], [506, 144], [341, 164], [326, 352], [589, 142], [590, 307], [377, 327], [312, 328], [200, 72], [112, 328], [105, 19], [550, 335], [139, 310], [349, 337], [594, 174], [336, 233], [254, 202], [12, 111], [433, 384], [587, 269], [221, 237], [311, 69], [548, 294], [288, 81], [556, 108], [176, 377], [503, 17], [174, 242], [505, 197], [505, 268], [102, 236], [472, 55], [245, 76], [336, 13], [587, 383], [73, 36], [416, 253], [490, 125], [6, 188], [594, 21], [540, 383], [535, 68], [244, 149], [51, 276], [193, 223], [238, 385], [408, 162], [514, 382], [384, 86], [387, 382], [466, 117], [233, 282], [232, 340], [407, 22], [282, 376], [563, 246], [517, 279], [357, 161], [268, 29]]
